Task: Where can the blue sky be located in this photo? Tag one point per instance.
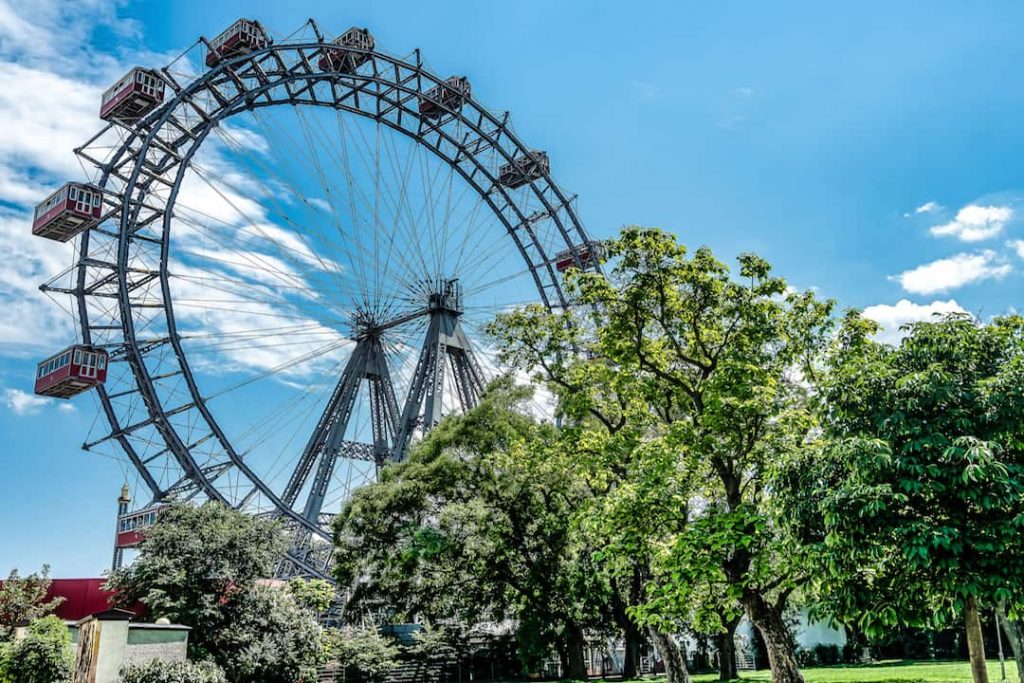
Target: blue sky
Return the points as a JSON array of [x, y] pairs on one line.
[[872, 154]]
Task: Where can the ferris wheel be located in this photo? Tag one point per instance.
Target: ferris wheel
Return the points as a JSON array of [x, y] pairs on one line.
[[286, 251]]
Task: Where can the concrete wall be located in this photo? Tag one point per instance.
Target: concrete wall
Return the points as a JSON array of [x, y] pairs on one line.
[[107, 641]]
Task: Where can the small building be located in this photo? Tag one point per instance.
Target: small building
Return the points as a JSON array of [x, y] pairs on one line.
[[108, 640]]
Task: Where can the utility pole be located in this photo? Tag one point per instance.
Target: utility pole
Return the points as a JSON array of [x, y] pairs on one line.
[[999, 639]]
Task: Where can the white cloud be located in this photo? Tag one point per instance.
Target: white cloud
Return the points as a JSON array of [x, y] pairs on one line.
[[949, 273], [743, 92], [1018, 246], [22, 402], [975, 223], [729, 122], [29, 319], [647, 90], [928, 207], [892, 317]]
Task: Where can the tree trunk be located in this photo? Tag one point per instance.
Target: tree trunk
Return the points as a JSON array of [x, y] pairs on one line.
[[675, 663], [563, 657], [632, 640], [576, 666], [1014, 636], [632, 635], [725, 643], [768, 620], [975, 642]]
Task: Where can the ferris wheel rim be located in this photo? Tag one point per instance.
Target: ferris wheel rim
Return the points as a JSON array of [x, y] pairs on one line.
[[155, 123]]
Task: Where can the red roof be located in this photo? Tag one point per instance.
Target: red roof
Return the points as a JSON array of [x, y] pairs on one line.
[[82, 598]]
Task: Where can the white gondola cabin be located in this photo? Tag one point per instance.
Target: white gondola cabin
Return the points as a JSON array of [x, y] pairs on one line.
[[524, 169], [68, 211], [139, 92], [590, 254], [130, 526], [241, 38], [76, 369], [450, 95], [347, 52]]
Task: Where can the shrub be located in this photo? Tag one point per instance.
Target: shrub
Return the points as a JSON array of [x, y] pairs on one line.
[[158, 671], [821, 654], [363, 652], [270, 639], [44, 655]]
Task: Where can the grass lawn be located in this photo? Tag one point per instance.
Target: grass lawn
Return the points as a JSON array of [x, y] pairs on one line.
[[887, 672]]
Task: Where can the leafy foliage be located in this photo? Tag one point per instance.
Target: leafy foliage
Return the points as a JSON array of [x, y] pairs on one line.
[[198, 566], [193, 561], [316, 595], [269, 638], [362, 651], [43, 655], [921, 494], [476, 524], [159, 671], [687, 397], [23, 599]]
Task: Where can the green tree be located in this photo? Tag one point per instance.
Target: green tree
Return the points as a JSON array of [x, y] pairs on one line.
[[690, 393], [268, 638], [478, 524], [361, 652], [315, 595], [198, 566], [921, 492], [43, 655], [160, 671], [23, 599], [193, 560]]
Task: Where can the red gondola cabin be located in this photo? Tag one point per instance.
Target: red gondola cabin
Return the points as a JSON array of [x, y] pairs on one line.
[[68, 211], [72, 371], [524, 169], [139, 92], [341, 57], [590, 253], [130, 526], [451, 94], [241, 38]]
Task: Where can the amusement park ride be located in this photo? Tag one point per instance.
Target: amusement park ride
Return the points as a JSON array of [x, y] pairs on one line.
[[132, 349]]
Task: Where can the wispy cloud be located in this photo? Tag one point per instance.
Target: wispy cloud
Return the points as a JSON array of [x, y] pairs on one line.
[[928, 207], [891, 317], [1017, 246], [647, 90], [729, 122], [743, 92], [975, 223], [956, 271], [22, 402]]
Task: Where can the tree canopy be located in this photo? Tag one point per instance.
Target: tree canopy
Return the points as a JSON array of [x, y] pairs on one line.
[[199, 566], [43, 655], [689, 390], [23, 599], [920, 489], [476, 525]]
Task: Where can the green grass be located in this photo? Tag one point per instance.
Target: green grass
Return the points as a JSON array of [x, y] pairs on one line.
[[886, 672]]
